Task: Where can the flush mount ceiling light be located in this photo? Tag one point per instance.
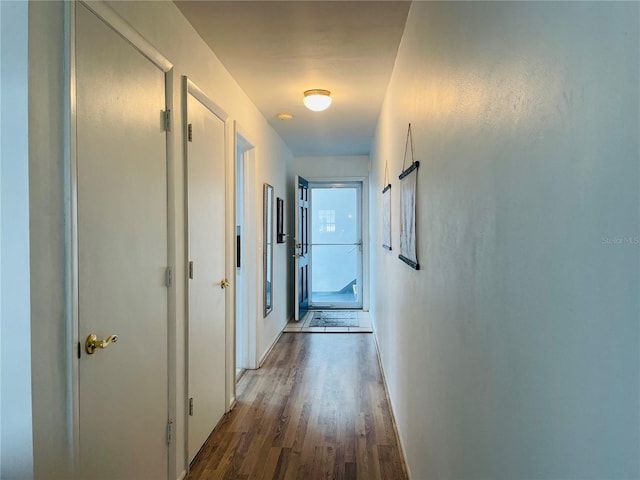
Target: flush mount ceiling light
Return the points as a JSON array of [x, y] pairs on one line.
[[317, 99]]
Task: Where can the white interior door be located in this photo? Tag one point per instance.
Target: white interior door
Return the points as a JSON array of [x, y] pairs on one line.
[[122, 255], [207, 281], [302, 251]]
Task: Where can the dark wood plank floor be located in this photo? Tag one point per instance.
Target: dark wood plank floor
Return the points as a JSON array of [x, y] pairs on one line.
[[316, 409]]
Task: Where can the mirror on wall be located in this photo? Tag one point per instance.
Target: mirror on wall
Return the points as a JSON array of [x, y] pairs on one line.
[[268, 249]]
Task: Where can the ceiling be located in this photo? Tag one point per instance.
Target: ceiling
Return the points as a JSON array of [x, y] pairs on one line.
[[278, 49]]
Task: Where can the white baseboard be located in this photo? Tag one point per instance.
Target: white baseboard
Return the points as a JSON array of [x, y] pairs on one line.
[[391, 407], [266, 354]]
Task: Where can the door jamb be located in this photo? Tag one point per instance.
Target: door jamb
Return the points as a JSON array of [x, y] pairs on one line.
[[250, 278]]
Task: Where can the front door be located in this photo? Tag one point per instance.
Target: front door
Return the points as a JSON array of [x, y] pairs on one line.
[[122, 256], [336, 245], [205, 167], [302, 251]]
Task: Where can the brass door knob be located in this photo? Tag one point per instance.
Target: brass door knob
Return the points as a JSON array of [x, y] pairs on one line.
[[224, 283], [92, 342]]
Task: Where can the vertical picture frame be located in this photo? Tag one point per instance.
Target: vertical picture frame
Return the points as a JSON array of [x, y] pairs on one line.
[[408, 193], [386, 217], [280, 236]]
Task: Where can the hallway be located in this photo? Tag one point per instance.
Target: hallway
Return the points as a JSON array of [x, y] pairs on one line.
[[317, 408], [512, 353]]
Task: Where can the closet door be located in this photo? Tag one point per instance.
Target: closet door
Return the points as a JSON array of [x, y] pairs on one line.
[[207, 281], [121, 185]]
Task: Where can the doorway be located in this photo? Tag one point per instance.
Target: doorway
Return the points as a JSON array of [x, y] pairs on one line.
[[246, 273], [336, 244]]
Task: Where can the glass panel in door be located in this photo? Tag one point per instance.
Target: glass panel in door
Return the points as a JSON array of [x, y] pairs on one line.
[[336, 245]]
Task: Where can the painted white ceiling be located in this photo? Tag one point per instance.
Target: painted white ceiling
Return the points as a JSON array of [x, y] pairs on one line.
[[278, 49]]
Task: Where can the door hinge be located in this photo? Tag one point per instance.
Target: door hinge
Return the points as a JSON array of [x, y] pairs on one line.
[[166, 120], [169, 431], [169, 277], [191, 407], [190, 132], [191, 270]]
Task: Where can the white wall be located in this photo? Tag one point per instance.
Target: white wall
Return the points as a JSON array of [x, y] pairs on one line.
[[165, 28], [1, 135], [16, 440], [513, 353], [50, 323], [322, 167]]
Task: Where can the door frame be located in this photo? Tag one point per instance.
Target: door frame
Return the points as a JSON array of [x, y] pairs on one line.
[[365, 228], [190, 88], [250, 286], [360, 200], [105, 13]]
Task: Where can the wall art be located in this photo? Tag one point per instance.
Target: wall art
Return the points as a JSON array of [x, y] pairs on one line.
[[408, 191]]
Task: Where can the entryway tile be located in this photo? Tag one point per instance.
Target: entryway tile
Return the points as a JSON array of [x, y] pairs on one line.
[[302, 326], [313, 329]]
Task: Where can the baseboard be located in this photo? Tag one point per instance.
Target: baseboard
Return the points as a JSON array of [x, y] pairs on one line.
[[405, 464], [183, 475], [266, 354], [241, 374]]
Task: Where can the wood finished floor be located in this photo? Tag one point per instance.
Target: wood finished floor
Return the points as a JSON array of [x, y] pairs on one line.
[[316, 409]]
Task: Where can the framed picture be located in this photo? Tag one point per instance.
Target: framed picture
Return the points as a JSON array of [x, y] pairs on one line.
[[386, 217], [280, 236], [408, 186], [408, 191]]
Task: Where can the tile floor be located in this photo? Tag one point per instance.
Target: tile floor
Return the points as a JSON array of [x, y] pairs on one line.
[[303, 325]]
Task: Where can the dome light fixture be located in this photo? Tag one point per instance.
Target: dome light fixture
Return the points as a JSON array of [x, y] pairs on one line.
[[317, 99]]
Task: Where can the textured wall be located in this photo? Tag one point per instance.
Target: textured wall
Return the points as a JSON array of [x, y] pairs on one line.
[[16, 439], [514, 352], [50, 325], [328, 167]]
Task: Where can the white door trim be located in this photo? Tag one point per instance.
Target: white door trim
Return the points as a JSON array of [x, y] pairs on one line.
[[192, 89], [251, 286], [124, 29]]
